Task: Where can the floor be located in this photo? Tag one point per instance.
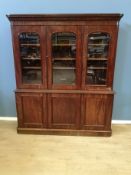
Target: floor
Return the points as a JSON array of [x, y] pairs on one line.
[[64, 155]]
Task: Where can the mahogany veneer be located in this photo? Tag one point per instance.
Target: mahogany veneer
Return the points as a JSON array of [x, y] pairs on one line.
[[64, 66]]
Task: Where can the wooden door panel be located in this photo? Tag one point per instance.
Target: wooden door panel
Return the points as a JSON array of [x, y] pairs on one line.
[[64, 111], [31, 110], [97, 110]]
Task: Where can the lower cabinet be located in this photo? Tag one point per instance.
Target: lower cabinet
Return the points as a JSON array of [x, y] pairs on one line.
[[55, 113], [31, 110]]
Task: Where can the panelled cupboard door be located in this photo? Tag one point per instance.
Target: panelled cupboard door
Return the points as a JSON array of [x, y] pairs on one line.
[[29, 52], [64, 111], [64, 57], [31, 110], [99, 47], [96, 111]]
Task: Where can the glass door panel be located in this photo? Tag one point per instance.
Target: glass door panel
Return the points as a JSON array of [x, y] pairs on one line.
[[30, 58], [64, 58], [97, 53]]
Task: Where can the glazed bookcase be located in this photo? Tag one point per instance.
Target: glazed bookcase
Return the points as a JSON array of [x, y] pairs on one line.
[[64, 66]]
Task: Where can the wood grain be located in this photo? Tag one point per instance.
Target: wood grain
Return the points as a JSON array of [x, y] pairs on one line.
[[79, 109], [64, 111]]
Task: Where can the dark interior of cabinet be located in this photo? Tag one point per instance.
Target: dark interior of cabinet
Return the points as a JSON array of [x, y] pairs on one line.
[[64, 58], [30, 58], [97, 58]]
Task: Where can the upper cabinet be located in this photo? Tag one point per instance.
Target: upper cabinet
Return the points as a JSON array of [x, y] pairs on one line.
[[65, 52]]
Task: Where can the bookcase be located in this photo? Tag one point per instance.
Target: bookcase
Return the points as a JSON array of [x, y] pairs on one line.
[[64, 65]]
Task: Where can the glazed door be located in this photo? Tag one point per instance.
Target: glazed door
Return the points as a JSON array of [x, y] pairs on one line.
[[63, 54], [29, 52], [98, 56]]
